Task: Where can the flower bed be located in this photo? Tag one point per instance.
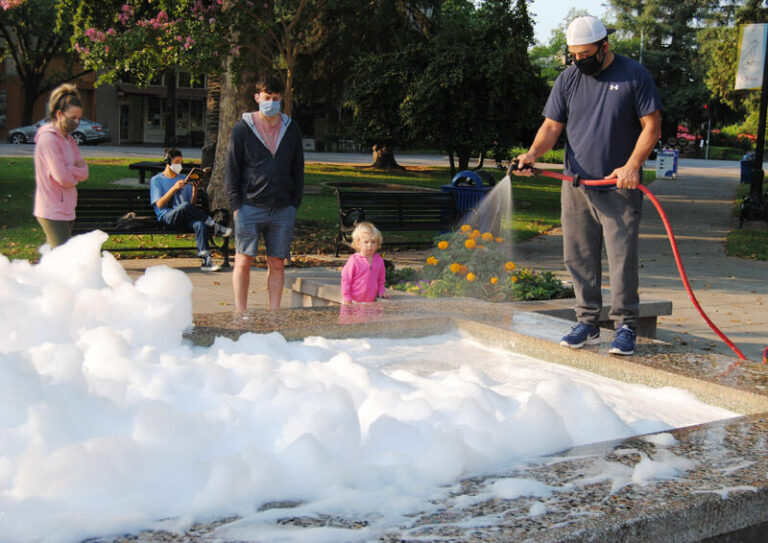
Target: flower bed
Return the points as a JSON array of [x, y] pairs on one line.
[[477, 264]]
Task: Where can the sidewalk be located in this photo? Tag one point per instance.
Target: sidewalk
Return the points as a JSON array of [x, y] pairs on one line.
[[733, 292]]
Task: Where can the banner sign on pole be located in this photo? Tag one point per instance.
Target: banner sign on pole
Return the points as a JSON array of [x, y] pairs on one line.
[[751, 56]]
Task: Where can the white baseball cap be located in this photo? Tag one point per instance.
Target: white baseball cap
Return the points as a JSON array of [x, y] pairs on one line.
[[586, 29]]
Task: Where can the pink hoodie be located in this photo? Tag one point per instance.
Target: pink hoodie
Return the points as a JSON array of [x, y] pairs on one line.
[[56, 175], [362, 281]]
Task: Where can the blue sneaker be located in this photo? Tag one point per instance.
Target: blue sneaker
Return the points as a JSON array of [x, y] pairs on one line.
[[580, 335], [623, 341]]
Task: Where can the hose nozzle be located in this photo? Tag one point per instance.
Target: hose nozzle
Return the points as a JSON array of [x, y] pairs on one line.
[[514, 166]]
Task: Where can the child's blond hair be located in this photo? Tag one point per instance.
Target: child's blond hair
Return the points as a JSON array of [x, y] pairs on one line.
[[368, 228]]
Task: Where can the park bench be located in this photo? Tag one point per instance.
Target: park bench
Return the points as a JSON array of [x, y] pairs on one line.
[[157, 166], [129, 212], [395, 211]]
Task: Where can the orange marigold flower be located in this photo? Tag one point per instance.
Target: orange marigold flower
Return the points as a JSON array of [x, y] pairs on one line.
[[487, 236], [463, 269], [499, 240], [513, 278], [494, 280], [510, 266], [471, 277], [442, 245], [455, 267], [432, 261], [475, 233], [470, 244], [465, 228]]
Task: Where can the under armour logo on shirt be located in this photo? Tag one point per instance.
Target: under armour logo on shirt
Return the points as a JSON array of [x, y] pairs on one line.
[[613, 87]]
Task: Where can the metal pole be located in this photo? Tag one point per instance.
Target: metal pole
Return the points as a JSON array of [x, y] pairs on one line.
[[752, 206], [709, 133], [757, 172]]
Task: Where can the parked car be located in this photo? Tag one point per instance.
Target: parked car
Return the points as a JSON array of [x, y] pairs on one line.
[[88, 131]]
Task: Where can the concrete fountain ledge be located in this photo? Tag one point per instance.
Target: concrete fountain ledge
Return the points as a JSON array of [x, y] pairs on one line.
[[323, 288], [726, 491]]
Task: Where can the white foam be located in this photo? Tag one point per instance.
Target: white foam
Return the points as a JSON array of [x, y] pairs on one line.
[[110, 423]]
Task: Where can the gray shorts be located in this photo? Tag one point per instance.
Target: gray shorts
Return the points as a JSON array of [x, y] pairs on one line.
[[274, 224]]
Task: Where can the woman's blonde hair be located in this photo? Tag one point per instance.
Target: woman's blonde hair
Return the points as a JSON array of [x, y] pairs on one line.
[[366, 228], [63, 97]]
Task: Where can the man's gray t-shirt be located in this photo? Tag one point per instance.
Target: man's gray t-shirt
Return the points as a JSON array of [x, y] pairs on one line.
[[601, 114]]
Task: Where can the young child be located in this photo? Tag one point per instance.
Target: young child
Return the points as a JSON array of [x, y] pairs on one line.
[[362, 278]]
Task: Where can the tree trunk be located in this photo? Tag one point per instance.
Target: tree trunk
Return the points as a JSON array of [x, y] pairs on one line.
[[452, 162], [288, 94], [463, 154], [481, 160], [235, 99], [211, 120], [384, 158], [170, 108], [31, 94]]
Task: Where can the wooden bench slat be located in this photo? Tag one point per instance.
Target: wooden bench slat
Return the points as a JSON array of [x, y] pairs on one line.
[[400, 211]]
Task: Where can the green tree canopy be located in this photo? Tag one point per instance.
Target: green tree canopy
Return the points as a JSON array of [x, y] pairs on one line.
[[30, 38], [671, 52], [720, 52], [478, 90]]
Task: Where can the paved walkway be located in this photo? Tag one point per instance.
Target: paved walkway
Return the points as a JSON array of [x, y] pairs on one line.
[[699, 204], [732, 291]]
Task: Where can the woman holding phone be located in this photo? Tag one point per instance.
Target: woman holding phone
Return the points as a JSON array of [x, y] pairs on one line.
[[174, 196]]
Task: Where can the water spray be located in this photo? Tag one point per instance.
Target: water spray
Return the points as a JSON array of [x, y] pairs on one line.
[[577, 180]]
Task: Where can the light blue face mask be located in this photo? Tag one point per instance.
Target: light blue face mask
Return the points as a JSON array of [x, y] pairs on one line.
[[270, 108]]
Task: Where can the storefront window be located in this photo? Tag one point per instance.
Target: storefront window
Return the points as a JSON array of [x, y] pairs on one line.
[[155, 108], [196, 114]]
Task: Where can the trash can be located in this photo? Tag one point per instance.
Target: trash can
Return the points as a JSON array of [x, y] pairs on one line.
[[747, 167], [470, 187]]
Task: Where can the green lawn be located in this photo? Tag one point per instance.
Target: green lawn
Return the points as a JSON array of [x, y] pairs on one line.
[[750, 244], [536, 202]]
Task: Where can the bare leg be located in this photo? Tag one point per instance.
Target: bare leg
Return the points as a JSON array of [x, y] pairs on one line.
[[241, 280], [275, 277]]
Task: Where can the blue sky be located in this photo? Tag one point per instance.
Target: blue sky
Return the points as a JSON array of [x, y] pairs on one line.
[[550, 13]]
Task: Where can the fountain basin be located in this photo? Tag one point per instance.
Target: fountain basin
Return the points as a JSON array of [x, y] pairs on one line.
[[725, 492]]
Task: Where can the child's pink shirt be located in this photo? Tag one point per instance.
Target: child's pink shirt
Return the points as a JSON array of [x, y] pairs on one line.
[[362, 281]]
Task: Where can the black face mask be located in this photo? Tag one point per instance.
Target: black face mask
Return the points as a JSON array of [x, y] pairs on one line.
[[591, 65]]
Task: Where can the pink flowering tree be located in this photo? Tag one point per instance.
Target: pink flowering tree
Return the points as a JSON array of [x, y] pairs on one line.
[[142, 40], [31, 39]]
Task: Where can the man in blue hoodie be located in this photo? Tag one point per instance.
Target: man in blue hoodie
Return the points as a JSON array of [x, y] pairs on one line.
[[264, 179]]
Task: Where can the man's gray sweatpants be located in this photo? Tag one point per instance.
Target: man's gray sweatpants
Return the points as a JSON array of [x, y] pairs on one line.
[[588, 217]]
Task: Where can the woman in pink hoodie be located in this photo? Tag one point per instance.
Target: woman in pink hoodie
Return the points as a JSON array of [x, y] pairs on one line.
[[362, 278], [58, 166]]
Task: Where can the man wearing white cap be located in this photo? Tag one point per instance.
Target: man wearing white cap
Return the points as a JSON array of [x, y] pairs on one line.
[[610, 109]]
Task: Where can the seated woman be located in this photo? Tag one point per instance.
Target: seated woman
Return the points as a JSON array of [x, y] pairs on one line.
[[173, 197]]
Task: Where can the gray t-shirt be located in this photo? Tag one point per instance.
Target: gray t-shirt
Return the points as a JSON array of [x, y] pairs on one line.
[[601, 114]]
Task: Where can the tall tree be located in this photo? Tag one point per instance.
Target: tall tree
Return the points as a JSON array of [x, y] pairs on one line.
[[387, 31], [720, 54], [142, 40], [477, 90], [30, 37], [671, 52]]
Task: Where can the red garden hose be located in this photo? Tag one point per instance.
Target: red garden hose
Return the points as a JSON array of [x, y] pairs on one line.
[[672, 242]]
